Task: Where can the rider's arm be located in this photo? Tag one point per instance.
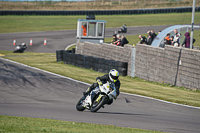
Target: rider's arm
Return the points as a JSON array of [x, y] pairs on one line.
[[103, 78]]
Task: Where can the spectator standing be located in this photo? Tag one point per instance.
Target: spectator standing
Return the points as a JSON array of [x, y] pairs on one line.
[[124, 41], [118, 40], [149, 38], [114, 38], [177, 36], [187, 40], [153, 34], [168, 39], [143, 39], [84, 27]]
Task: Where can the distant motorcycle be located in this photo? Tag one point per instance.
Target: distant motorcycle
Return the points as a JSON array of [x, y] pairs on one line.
[[123, 29], [97, 98], [20, 48]]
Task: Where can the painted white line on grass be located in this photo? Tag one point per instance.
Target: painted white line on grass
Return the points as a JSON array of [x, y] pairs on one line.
[[160, 100], [89, 84], [70, 46]]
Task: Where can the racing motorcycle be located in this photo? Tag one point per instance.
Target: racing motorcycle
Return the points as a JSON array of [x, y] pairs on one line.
[[123, 29], [20, 48], [97, 98]]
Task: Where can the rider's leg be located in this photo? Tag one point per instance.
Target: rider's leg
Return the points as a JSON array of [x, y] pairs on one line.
[[94, 85]]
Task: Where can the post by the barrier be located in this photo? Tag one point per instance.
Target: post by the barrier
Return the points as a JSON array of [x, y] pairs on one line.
[[31, 42], [14, 42], [45, 41]]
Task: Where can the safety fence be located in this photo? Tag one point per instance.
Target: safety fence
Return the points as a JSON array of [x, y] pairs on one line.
[[89, 62], [99, 12]]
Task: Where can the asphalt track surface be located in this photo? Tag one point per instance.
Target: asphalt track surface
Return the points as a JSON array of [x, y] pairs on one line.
[[58, 40], [29, 92], [33, 93]]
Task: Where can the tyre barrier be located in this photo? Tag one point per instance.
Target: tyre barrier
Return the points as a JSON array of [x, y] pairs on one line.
[[94, 63], [101, 12], [60, 53]]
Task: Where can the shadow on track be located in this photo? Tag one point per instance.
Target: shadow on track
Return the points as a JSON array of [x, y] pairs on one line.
[[119, 113], [14, 75]]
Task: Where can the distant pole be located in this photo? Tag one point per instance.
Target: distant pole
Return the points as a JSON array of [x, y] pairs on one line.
[[191, 37]]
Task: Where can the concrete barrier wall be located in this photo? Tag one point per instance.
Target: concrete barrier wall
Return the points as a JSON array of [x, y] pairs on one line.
[[171, 65], [189, 69], [157, 64], [106, 51]]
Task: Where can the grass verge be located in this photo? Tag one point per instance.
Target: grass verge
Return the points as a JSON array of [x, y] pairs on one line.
[[47, 61], [10, 24], [39, 125]]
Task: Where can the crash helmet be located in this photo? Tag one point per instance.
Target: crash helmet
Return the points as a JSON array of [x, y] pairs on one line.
[[113, 75], [23, 44]]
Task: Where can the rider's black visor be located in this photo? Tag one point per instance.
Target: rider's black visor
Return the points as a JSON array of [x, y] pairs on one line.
[[114, 77]]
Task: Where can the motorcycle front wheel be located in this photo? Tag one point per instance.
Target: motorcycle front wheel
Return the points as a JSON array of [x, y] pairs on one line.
[[97, 105], [79, 106]]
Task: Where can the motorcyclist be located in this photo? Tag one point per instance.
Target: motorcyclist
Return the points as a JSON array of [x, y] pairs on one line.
[[112, 76], [20, 48], [124, 27]]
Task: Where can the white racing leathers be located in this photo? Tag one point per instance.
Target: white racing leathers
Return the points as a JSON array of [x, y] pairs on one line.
[[177, 39]]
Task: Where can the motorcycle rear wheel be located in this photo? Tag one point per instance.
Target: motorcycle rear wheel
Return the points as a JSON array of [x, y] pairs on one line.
[[96, 106], [79, 106]]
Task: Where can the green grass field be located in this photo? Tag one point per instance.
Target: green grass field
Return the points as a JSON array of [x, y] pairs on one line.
[[10, 124], [9, 24]]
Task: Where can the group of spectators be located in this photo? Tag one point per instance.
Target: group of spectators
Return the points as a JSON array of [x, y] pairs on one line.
[[119, 40], [168, 40], [151, 36], [175, 40]]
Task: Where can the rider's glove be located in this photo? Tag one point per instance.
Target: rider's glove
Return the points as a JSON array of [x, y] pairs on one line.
[[99, 82]]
